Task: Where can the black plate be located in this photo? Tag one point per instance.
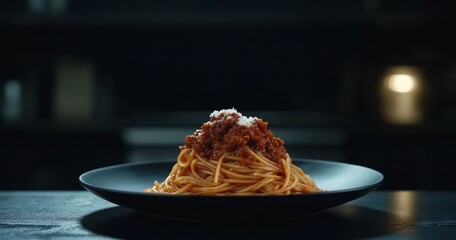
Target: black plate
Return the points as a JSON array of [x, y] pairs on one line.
[[124, 185]]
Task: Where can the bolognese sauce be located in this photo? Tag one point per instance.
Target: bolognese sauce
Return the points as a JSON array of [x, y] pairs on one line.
[[229, 131]]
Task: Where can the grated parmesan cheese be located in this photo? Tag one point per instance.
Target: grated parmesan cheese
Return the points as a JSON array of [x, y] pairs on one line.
[[242, 121], [224, 111]]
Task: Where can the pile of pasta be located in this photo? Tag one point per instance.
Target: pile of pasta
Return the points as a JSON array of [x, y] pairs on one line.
[[230, 174]]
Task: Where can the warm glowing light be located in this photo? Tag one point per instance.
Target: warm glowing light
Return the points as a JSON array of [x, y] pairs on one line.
[[401, 92], [401, 83]]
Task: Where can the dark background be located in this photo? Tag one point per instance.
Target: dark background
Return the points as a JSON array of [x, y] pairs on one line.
[[86, 84]]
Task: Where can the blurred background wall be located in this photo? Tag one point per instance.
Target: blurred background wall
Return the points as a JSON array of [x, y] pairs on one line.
[[86, 84]]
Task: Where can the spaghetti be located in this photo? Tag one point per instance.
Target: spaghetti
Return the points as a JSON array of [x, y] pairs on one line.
[[233, 154]]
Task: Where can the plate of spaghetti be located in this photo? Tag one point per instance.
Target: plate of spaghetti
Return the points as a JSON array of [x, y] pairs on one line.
[[233, 167]]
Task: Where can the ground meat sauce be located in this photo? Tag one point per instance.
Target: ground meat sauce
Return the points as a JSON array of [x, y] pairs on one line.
[[229, 131]]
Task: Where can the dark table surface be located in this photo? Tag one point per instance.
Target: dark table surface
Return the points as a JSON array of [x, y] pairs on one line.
[[82, 215]]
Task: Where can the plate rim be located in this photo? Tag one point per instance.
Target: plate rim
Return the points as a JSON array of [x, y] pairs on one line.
[[302, 160]]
